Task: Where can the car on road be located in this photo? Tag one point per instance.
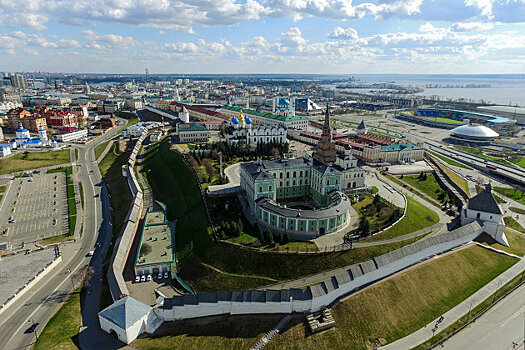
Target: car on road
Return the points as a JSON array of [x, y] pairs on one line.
[[90, 253], [166, 274], [12, 221], [137, 279], [159, 276], [96, 195], [143, 278], [149, 277]]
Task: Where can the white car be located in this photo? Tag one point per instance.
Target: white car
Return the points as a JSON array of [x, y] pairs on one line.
[[166, 274], [137, 279], [143, 278], [149, 277], [159, 276]]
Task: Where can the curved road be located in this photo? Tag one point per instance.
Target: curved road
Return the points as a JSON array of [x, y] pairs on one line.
[[44, 299]]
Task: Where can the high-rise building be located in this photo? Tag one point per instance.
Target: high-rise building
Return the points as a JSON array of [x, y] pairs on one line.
[[19, 81]]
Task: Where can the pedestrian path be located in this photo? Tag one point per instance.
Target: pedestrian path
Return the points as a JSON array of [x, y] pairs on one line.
[[454, 314]]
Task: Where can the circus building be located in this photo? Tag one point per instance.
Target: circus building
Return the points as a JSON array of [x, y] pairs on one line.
[[473, 134]]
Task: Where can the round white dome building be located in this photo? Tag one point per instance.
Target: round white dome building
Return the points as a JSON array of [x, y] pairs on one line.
[[473, 134]]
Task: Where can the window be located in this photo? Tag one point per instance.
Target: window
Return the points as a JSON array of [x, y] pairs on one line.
[[260, 189], [306, 173], [301, 182], [301, 173], [477, 216], [281, 175], [287, 183], [270, 188], [336, 181], [294, 182], [287, 174], [294, 174]]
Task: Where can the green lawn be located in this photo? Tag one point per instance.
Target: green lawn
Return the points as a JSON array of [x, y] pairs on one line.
[[402, 304], [517, 195], [210, 333], [517, 210], [513, 224], [516, 242], [478, 152], [429, 186], [100, 148], [55, 239], [444, 120], [417, 217], [378, 219], [32, 160], [518, 160], [174, 184], [61, 332], [70, 194]]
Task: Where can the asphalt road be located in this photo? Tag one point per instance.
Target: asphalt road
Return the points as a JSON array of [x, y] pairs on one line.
[[497, 329], [44, 299]]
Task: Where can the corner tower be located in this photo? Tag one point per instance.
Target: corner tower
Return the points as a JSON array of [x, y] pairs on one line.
[[325, 151]]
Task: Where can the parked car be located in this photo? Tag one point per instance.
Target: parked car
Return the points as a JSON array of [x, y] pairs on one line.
[[90, 253], [166, 274], [159, 276], [149, 277], [137, 279], [143, 278]]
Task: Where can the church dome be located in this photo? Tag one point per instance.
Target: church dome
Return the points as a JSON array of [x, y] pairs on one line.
[[22, 130], [247, 120], [235, 120]]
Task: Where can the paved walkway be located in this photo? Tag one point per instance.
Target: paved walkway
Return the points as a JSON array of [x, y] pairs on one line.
[[385, 190], [459, 310], [233, 173], [337, 238]]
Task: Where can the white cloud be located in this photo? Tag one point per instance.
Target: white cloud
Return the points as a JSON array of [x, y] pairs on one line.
[[471, 26], [107, 41], [349, 34]]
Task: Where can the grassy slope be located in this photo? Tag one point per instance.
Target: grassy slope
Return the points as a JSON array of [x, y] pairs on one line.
[[100, 148], [450, 161], [516, 242], [460, 181], [241, 332], [519, 161], [32, 160], [388, 309], [517, 195], [62, 329], [429, 186], [417, 217], [510, 222]]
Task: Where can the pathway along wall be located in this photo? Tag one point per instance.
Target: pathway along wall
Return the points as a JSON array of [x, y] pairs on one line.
[[318, 296], [117, 285]]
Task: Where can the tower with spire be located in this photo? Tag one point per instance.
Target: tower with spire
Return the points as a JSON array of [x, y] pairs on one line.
[[325, 151]]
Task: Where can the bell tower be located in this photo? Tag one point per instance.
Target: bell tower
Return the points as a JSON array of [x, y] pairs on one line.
[[325, 151]]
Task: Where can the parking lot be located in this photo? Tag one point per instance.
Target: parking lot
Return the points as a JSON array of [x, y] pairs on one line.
[[33, 208]]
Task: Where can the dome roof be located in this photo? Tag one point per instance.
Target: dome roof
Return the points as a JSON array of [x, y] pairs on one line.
[[22, 130], [284, 101], [474, 131], [247, 120], [235, 120], [41, 128]]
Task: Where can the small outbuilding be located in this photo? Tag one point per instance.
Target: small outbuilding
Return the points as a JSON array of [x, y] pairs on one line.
[[128, 318]]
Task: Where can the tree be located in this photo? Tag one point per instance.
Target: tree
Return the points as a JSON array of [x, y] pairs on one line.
[[145, 250], [233, 229], [240, 227], [210, 170], [364, 227], [268, 236], [280, 238], [286, 239], [274, 152]]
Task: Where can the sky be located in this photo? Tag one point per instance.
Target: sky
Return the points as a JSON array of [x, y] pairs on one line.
[[263, 36]]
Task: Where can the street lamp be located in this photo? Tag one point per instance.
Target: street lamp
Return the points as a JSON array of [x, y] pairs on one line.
[[33, 325], [469, 308]]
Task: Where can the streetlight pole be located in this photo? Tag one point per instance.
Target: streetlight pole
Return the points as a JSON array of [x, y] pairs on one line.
[[469, 308], [34, 328]]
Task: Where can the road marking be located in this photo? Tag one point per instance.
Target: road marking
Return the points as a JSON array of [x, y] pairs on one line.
[[516, 314]]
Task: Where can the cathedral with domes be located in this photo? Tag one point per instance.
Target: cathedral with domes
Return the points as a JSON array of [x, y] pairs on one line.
[[242, 130]]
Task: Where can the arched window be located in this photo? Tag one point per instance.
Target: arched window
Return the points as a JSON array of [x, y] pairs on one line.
[[281, 175], [270, 188], [301, 173], [294, 174], [260, 189]]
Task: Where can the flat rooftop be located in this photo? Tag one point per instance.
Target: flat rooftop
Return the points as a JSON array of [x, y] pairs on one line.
[[159, 235]]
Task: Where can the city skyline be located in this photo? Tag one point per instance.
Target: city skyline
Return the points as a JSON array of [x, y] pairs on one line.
[[324, 37]]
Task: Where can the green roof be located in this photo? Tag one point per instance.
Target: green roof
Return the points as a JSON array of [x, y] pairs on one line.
[[192, 127], [159, 234], [262, 114]]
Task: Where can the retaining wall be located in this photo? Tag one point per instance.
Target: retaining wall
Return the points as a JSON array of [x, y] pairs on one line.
[[318, 296]]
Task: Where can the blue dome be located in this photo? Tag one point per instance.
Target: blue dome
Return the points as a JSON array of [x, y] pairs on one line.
[[235, 120], [41, 128], [22, 130], [247, 120], [284, 101]]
